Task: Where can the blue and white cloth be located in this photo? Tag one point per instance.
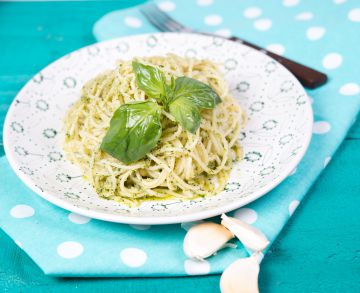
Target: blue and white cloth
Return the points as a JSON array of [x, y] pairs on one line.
[[321, 34]]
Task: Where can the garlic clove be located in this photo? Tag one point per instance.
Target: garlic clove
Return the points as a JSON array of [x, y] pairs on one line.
[[251, 237], [205, 239], [241, 276]]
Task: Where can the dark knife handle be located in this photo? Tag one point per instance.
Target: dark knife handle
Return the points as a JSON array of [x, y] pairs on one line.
[[307, 76]]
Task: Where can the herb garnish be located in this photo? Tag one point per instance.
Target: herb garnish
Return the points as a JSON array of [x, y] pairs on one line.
[[134, 131], [135, 128]]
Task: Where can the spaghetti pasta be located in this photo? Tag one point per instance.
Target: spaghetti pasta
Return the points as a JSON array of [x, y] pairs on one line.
[[183, 165]]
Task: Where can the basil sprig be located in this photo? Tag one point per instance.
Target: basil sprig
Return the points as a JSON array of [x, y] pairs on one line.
[[195, 92], [151, 80], [187, 114], [188, 97], [135, 128], [134, 131]]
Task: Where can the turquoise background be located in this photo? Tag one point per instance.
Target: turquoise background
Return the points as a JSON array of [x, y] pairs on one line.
[[326, 260]]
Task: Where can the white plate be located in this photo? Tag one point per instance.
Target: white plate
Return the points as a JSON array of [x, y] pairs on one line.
[[275, 139]]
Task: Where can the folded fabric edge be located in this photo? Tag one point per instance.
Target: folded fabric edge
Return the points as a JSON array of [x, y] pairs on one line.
[[97, 29], [10, 235], [112, 25]]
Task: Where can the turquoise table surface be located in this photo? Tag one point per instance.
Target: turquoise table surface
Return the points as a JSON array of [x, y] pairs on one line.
[[318, 251]]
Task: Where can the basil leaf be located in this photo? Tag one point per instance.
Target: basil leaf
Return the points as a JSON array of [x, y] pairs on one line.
[[169, 91], [134, 131], [196, 91], [151, 80], [186, 113]]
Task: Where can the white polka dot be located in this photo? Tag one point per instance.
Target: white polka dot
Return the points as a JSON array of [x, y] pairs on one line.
[[140, 227], [252, 12], [321, 127], [213, 19], [133, 257], [70, 249], [225, 32], [78, 219], [132, 22], [18, 243], [196, 267], [293, 172], [186, 226], [326, 161], [276, 48], [332, 60], [354, 15], [167, 6], [304, 16], [247, 215], [204, 2], [22, 211], [263, 24], [315, 33], [349, 89], [339, 1], [290, 3], [292, 206]]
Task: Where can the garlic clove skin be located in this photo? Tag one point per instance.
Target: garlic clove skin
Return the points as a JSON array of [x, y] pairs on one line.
[[241, 276], [251, 237], [205, 239]]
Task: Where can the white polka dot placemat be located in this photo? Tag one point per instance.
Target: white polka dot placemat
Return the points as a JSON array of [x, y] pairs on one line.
[[322, 34]]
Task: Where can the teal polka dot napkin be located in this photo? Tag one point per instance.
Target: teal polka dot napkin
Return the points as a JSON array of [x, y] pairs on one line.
[[322, 34]]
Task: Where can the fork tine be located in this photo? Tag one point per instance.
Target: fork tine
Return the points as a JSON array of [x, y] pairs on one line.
[[160, 19], [155, 22], [156, 11]]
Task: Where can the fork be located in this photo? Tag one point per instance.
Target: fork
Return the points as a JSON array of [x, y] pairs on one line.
[[307, 76]]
